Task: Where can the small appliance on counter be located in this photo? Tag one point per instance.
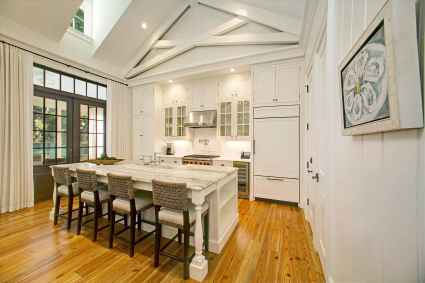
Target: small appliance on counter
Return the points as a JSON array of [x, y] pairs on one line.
[[170, 149], [245, 155]]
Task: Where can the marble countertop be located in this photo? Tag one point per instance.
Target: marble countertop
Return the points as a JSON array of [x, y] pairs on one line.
[[221, 158], [197, 177]]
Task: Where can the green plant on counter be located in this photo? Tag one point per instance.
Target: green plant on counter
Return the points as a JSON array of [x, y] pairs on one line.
[[106, 157]]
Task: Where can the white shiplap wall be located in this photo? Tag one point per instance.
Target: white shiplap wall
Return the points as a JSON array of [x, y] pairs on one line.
[[376, 200]]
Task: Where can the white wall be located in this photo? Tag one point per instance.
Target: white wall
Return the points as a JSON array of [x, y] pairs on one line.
[[375, 204]]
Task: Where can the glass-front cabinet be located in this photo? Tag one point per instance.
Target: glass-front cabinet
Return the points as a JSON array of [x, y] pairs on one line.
[[174, 119], [225, 119], [168, 121], [181, 117], [242, 118], [234, 117]]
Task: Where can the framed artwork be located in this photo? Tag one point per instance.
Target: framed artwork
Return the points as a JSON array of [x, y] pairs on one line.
[[379, 78]]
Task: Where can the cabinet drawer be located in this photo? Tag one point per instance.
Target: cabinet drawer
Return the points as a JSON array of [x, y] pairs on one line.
[[225, 163], [171, 160], [276, 111], [276, 188]]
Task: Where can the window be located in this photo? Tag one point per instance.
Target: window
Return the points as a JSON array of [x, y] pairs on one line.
[[68, 83], [169, 121], [225, 119], [92, 132], [77, 21], [242, 118], [69, 116], [50, 139]]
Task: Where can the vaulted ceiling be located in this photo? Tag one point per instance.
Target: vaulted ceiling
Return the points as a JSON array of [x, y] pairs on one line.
[[178, 31]]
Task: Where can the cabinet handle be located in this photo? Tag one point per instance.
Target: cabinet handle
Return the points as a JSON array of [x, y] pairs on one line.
[[253, 146], [275, 179]]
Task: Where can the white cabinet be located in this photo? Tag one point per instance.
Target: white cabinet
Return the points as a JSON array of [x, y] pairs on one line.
[[276, 147], [234, 119], [144, 121], [264, 84], [276, 153], [276, 83], [174, 118], [204, 94], [170, 160], [276, 188], [287, 84], [224, 163]]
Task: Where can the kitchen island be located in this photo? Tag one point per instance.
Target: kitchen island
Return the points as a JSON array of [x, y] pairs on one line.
[[212, 184]]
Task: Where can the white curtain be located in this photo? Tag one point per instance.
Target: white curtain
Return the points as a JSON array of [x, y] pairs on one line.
[[119, 121], [16, 92]]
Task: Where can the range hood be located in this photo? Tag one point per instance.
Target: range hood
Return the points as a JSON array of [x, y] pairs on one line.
[[202, 119]]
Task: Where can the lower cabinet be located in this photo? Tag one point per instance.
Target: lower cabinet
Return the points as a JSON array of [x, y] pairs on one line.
[[225, 163], [275, 188], [171, 160]]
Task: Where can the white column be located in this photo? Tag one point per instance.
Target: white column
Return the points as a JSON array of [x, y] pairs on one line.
[[199, 265]]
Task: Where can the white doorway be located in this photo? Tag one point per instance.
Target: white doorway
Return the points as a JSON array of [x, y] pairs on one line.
[[316, 148]]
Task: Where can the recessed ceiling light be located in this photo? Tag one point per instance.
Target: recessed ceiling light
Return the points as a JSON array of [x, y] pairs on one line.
[[144, 25], [170, 81], [232, 70]]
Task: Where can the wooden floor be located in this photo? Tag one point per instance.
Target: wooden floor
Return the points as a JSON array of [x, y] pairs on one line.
[[271, 244]]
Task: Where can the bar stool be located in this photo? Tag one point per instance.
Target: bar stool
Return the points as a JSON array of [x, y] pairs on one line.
[[173, 208], [124, 203], [64, 188], [94, 196]]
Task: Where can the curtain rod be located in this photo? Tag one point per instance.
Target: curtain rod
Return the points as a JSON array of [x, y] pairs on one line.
[[60, 62]]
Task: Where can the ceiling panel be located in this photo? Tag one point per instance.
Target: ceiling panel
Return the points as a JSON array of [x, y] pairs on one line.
[[48, 17], [127, 36], [293, 8]]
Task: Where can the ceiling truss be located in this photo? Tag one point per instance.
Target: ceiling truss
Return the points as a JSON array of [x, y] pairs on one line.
[[286, 34]]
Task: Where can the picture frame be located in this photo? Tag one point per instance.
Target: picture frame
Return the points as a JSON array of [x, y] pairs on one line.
[[379, 79]]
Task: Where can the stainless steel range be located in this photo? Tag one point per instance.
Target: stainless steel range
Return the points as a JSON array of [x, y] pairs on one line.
[[199, 159]]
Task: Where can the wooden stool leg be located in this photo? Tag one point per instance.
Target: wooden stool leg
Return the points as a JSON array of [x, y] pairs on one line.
[[132, 232], [139, 221], [206, 231], [126, 221], [186, 263], [70, 203], [87, 208], [57, 206], [95, 220], [179, 235], [80, 215], [112, 231], [157, 238]]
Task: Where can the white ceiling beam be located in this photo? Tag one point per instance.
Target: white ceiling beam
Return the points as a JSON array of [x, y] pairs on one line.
[[278, 38], [166, 56], [225, 28], [229, 26], [166, 44], [158, 34], [265, 17]]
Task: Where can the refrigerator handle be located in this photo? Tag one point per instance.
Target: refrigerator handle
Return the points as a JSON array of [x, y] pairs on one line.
[[253, 146]]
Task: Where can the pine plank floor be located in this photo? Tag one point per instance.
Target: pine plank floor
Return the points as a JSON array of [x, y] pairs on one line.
[[272, 243]]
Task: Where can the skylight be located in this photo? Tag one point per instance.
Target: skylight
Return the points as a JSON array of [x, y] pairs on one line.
[[82, 21]]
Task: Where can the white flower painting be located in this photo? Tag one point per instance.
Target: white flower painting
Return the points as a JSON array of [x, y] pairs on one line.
[[365, 83]]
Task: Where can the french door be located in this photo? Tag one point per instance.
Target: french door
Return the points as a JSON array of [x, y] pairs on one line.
[[66, 129]]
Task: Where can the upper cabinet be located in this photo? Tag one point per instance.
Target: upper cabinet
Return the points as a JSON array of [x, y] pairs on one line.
[[204, 94], [276, 83], [175, 104], [234, 107]]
